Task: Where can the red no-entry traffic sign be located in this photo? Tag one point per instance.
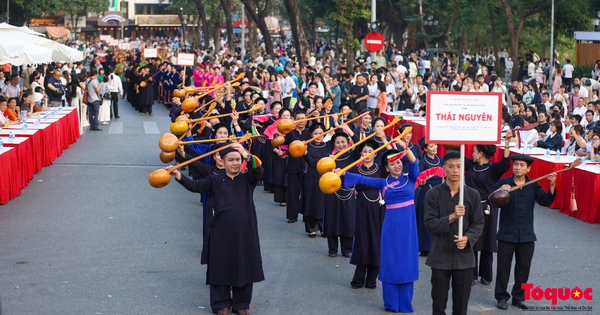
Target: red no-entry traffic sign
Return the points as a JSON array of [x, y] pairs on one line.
[[374, 42]]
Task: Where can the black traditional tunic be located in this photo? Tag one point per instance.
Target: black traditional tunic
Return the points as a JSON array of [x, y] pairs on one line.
[[482, 178], [313, 196], [146, 96], [234, 257], [425, 236], [369, 218], [416, 150], [339, 214]]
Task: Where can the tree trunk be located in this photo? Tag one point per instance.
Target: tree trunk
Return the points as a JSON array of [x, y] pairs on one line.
[[421, 16], [544, 37], [494, 41], [348, 45], [205, 26], [251, 7], [226, 4], [252, 38], [217, 37], [300, 42]]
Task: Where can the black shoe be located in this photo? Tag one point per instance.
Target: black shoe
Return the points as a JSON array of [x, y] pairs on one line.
[[117, 117], [96, 129], [333, 255], [293, 221], [312, 235], [485, 282], [355, 285], [520, 304], [371, 286], [502, 305], [424, 254], [347, 255]]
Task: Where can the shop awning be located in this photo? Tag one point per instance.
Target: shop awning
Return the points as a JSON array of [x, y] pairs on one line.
[[57, 31]]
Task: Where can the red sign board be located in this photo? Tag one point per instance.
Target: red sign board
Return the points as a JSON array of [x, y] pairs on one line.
[[374, 42]]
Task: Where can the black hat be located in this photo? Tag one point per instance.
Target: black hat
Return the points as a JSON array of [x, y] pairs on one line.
[[251, 90], [378, 118], [224, 152], [259, 99], [221, 125], [338, 134], [522, 157], [368, 143], [402, 127], [366, 110]]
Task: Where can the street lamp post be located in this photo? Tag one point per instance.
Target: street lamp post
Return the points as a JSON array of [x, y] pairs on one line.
[[243, 28], [551, 71], [183, 23]]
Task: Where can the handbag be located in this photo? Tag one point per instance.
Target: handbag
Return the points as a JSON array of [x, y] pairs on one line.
[[106, 96]]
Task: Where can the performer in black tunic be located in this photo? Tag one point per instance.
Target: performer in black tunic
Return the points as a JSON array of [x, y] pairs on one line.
[[416, 150], [482, 175], [339, 213], [516, 236], [364, 129], [234, 259], [146, 94], [370, 211], [429, 161], [203, 170], [313, 198], [295, 171], [257, 128], [279, 163], [381, 138]]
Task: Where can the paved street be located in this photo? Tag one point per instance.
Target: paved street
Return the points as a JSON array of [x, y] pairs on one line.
[[90, 236]]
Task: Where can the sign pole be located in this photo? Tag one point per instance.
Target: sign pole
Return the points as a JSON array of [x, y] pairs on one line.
[[461, 191]]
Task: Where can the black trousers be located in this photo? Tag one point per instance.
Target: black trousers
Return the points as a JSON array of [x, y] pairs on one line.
[[147, 109], [293, 193], [286, 102], [523, 253], [483, 265], [461, 290], [278, 193], [365, 275], [114, 96], [345, 241], [311, 224], [221, 297]]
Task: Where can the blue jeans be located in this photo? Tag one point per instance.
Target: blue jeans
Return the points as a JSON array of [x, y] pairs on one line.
[[93, 110]]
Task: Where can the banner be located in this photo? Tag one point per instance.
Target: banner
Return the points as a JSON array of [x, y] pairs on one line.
[[463, 117], [185, 60], [150, 53]]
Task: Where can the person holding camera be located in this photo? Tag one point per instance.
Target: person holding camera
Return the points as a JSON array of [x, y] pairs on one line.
[[55, 89]]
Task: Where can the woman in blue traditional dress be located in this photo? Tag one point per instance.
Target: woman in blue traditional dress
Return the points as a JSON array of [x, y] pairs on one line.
[[399, 265]]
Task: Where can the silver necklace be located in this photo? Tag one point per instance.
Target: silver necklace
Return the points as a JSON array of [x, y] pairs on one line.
[[437, 158], [368, 171], [482, 170], [345, 198], [318, 146]]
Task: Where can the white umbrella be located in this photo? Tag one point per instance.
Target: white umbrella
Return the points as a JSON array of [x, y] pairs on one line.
[[18, 53], [26, 37]]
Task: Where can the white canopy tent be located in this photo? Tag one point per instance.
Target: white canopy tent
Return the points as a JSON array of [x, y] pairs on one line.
[[23, 46]]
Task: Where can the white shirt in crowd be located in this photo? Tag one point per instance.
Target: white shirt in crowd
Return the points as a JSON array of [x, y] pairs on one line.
[[115, 84], [568, 70]]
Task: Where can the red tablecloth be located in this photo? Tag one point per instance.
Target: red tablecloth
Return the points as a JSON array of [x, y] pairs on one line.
[[42, 145], [36, 143], [24, 155], [587, 186], [8, 175]]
